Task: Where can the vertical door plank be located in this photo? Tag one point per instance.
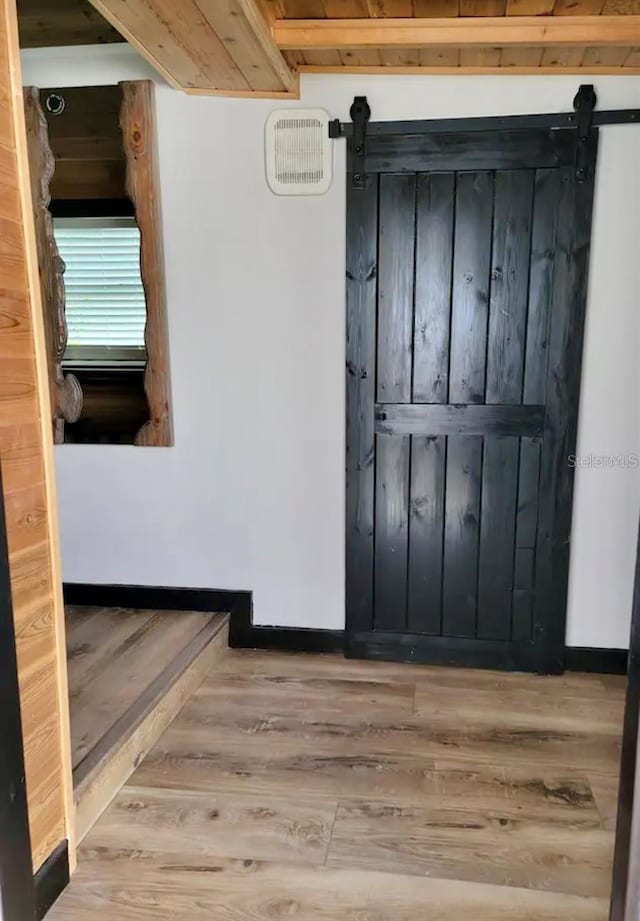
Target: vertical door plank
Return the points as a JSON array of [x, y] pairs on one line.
[[527, 525], [543, 246], [522, 622], [462, 514], [525, 539], [472, 259], [362, 221], [505, 372], [509, 285], [566, 334], [391, 531], [497, 532], [395, 287], [426, 523], [523, 569], [434, 256]]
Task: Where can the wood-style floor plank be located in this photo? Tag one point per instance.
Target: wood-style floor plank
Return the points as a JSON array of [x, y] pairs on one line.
[[177, 823], [605, 793], [483, 845], [143, 644], [310, 736], [136, 888], [110, 763], [533, 708], [275, 691], [309, 788], [94, 637], [248, 663]]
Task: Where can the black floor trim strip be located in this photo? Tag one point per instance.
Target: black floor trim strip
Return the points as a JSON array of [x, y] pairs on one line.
[[51, 879]]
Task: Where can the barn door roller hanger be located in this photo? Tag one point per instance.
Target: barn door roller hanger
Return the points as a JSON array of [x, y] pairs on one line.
[[584, 117]]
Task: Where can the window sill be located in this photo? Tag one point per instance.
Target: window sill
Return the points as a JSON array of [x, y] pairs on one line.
[[96, 364]]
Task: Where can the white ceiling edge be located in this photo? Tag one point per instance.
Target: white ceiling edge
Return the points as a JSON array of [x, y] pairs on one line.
[[84, 65]]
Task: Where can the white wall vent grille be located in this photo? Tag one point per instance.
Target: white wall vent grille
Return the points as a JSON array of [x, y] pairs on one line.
[[299, 152]]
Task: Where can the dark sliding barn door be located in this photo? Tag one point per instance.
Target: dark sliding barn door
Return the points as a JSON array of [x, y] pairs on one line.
[[466, 284]]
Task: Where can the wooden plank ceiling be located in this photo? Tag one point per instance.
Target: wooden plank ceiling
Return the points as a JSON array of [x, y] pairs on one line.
[[196, 45], [258, 47], [51, 23], [459, 35]]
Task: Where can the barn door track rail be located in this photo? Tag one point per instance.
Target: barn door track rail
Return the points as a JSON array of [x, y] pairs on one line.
[[582, 119]]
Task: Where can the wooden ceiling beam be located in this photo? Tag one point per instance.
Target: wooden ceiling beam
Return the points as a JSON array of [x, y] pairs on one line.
[[465, 32], [215, 46]]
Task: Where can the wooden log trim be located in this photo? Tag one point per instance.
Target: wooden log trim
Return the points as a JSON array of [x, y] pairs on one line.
[[138, 124], [65, 390]]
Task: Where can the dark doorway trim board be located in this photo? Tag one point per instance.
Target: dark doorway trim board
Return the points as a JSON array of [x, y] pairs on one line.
[[625, 893], [244, 634], [51, 879], [16, 871]]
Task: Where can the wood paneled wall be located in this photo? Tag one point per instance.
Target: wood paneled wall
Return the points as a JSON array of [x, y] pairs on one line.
[[86, 142], [26, 453]]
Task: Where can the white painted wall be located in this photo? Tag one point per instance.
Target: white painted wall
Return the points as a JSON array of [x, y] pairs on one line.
[[252, 494]]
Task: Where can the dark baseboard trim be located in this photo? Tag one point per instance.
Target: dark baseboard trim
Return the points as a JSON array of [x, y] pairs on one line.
[[286, 639], [218, 601], [602, 661], [51, 879], [290, 639], [243, 634], [239, 604]]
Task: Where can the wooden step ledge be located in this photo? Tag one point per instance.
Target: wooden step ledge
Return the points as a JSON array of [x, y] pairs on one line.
[[107, 767]]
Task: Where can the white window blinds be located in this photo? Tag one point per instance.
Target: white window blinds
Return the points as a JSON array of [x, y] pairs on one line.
[[105, 303]]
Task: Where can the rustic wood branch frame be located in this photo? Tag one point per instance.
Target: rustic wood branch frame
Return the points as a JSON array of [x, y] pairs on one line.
[[138, 124], [66, 392], [138, 130]]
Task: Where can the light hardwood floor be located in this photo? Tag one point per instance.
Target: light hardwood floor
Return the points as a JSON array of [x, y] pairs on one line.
[[318, 789]]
